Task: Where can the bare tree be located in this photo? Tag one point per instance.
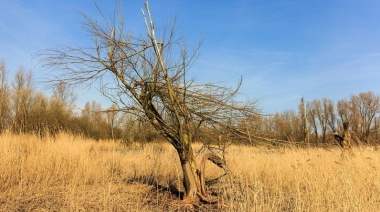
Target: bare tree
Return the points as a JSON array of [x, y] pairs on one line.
[[39, 119], [23, 90], [147, 76], [332, 119], [284, 125], [323, 116], [366, 105], [303, 117], [5, 109], [343, 107], [312, 118], [64, 93], [361, 111], [112, 113]]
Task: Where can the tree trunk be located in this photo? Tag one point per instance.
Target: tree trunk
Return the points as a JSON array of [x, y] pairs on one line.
[[194, 179], [189, 169], [190, 182]]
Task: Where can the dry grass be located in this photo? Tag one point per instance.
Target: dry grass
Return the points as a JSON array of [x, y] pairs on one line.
[[70, 174]]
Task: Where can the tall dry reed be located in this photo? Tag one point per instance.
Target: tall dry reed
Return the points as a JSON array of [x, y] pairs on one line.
[[69, 173]]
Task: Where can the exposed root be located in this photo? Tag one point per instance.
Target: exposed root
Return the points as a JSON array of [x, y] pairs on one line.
[[207, 198]]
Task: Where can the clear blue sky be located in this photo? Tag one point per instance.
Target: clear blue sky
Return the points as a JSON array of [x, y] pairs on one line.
[[283, 49]]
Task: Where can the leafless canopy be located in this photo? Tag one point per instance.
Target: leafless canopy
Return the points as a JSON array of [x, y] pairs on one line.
[[146, 76]]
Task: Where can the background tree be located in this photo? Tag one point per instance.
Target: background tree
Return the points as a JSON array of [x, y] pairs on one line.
[[94, 122], [65, 94], [60, 115], [283, 125], [5, 110], [257, 125], [38, 115], [332, 118], [323, 115], [147, 76], [312, 119], [376, 129], [112, 113], [22, 92], [344, 110], [303, 117], [365, 106]]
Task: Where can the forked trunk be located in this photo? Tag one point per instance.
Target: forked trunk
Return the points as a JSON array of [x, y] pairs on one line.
[[190, 182], [189, 170], [194, 179]]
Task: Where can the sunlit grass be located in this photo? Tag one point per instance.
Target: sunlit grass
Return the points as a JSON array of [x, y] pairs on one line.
[[70, 173]]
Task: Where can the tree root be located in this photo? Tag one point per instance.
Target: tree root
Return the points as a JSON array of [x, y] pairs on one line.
[[207, 198]]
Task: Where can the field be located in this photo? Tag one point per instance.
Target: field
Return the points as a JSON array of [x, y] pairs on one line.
[[70, 173]]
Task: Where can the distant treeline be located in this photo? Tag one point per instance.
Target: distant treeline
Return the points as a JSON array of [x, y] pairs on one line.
[[23, 109], [315, 122]]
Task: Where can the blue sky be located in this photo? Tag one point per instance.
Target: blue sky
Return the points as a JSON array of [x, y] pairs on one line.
[[283, 49]]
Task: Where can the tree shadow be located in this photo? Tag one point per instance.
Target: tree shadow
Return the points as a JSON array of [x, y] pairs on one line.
[[150, 180], [171, 199]]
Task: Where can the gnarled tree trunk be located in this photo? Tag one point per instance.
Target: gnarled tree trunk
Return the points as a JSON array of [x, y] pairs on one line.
[[190, 181], [194, 177]]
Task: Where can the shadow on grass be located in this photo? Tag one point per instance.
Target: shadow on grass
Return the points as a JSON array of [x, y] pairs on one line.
[[150, 180], [169, 197]]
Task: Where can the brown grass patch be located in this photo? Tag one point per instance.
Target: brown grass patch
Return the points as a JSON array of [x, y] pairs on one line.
[[70, 173]]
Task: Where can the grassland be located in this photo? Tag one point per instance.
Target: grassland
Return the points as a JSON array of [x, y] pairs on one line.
[[70, 173]]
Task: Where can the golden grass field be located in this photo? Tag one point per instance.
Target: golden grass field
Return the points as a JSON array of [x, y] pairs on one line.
[[70, 173]]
